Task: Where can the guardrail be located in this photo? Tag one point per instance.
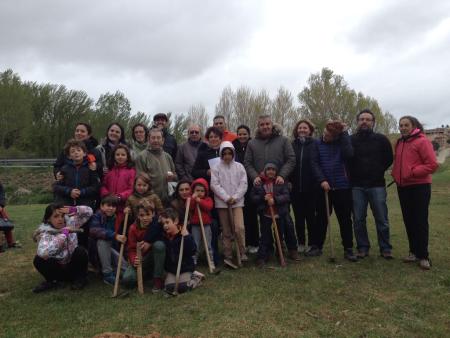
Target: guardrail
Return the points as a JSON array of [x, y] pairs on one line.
[[26, 162]]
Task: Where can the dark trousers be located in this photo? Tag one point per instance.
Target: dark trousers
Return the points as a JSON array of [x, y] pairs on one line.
[[251, 223], [341, 201], [414, 202], [215, 232], [54, 271], [304, 206]]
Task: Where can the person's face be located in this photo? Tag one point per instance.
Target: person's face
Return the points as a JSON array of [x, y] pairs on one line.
[[265, 127], [227, 156], [199, 190], [184, 191], [214, 140], [108, 209], [405, 126], [327, 137], [114, 133], [271, 173], [160, 122], [220, 124], [120, 156], [243, 135], [170, 226], [194, 134], [139, 134], [140, 186], [145, 217], [303, 130], [81, 133], [57, 219], [156, 140], [76, 154], [365, 121]]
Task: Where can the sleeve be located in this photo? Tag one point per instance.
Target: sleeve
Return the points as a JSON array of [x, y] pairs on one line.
[[248, 162], [82, 215], [50, 245], [257, 195], [2, 196], [140, 164], [315, 164], [94, 185], [346, 146], [216, 186], [283, 196], [428, 159], [243, 182], [179, 163], [104, 189], [131, 244], [206, 204], [130, 183], [58, 163], [97, 230], [189, 246], [60, 189], [388, 156], [289, 160], [172, 167], [175, 149]]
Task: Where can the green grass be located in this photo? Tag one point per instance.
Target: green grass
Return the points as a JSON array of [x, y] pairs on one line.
[[371, 298]]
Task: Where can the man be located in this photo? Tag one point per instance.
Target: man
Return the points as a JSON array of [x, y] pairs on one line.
[[187, 153], [157, 164], [372, 157], [160, 121], [270, 146], [219, 123]]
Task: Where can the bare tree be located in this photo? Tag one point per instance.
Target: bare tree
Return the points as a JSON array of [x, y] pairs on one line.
[[197, 115]]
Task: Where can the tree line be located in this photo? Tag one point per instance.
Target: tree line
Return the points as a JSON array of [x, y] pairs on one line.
[[37, 119]]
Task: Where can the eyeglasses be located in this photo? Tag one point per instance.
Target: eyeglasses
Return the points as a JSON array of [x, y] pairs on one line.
[[194, 132]]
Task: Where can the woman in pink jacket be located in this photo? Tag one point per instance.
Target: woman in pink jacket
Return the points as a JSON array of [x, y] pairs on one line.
[[119, 180], [414, 163]]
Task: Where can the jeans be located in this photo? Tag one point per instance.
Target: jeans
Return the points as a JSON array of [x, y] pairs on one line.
[[376, 198], [198, 238]]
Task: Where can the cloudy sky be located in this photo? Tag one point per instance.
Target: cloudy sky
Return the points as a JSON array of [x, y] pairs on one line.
[[166, 55]]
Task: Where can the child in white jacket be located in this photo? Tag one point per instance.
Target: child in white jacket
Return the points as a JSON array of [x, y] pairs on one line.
[[229, 184]]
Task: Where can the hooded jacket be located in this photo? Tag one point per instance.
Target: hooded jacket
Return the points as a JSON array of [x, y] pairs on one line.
[[280, 193], [228, 180], [119, 181], [415, 160], [206, 205], [275, 149]]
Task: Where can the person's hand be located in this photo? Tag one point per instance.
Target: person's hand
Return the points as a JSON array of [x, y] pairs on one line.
[[137, 262], [325, 186], [231, 201], [92, 166], [59, 176], [279, 180], [121, 238], [75, 193], [184, 231], [257, 181], [271, 202], [267, 197], [208, 172], [170, 176], [145, 246], [126, 210]]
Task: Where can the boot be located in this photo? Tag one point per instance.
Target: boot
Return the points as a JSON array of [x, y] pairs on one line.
[[293, 255]]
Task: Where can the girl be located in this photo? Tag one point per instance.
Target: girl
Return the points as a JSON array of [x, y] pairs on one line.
[[59, 258], [414, 163], [142, 192], [115, 135], [182, 192]]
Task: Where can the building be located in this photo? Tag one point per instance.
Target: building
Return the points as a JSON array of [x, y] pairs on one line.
[[440, 135]]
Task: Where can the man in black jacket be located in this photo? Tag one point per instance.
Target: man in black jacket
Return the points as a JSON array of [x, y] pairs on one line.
[[170, 143], [372, 157]]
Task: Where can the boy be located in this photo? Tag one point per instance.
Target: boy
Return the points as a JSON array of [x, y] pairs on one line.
[[277, 196], [102, 234], [148, 233], [229, 184], [174, 232]]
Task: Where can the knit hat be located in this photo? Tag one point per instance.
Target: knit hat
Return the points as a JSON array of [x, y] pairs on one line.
[[270, 165]]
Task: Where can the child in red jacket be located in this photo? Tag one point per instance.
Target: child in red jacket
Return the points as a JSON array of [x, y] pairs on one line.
[[200, 196]]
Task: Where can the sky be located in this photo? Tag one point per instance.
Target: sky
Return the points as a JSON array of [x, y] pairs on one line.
[[166, 55]]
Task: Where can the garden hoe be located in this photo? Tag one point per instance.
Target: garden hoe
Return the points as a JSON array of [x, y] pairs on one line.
[[119, 264], [235, 240], [205, 244], [140, 280], [332, 258], [277, 237]]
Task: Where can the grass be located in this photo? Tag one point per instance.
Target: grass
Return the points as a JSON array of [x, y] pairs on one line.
[[371, 298]]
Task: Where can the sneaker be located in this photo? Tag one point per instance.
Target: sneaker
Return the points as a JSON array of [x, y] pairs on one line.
[[260, 262], [79, 284], [301, 248], [109, 278], [293, 255], [387, 255], [362, 254], [425, 264], [313, 252], [411, 258], [45, 286], [252, 249], [244, 258], [157, 285], [348, 255]]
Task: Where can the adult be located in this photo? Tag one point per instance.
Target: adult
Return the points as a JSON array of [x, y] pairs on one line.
[[329, 165], [139, 134], [250, 215], [414, 163], [83, 133], [158, 164], [372, 156], [219, 123], [187, 153], [115, 135], [270, 146], [178, 201], [305, 188], [170, 143], [207, 152]]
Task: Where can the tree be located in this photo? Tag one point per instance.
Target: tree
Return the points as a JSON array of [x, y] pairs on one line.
[[225, 107], [197, 115], [283, 110]]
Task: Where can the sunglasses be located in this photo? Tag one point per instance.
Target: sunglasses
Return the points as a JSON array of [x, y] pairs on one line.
[[194, 132]]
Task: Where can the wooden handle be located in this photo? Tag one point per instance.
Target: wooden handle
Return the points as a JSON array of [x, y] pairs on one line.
[[180, 256], [140, 281], [205, 242], [277, 237], [119, 264], [233, 229]]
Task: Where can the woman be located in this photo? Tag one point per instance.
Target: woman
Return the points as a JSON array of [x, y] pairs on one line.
[[182, 193], [305, 188], [414, 163], [250, 214], [139, 133], [115, 135], [83, 132]]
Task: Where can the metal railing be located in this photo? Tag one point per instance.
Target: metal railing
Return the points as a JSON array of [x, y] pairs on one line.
[[26, 162]]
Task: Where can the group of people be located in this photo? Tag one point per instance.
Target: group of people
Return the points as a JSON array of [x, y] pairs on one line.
[[224, 181]]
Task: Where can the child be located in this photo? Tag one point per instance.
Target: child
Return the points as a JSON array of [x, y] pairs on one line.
[[148, 233], [8, 230], [102, 233], [59, 258], [142, 192], [277, 196], [229, 184], [200, 196], [119, 180], [189, 279]]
